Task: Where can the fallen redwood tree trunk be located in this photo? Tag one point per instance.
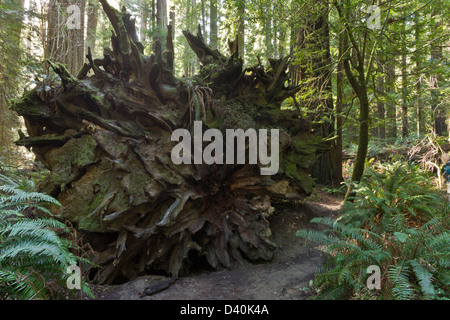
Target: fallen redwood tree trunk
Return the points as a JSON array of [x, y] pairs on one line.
[[106, 139]]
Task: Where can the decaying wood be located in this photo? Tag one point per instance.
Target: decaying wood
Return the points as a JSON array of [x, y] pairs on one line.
[[105, 136], [157, 287]]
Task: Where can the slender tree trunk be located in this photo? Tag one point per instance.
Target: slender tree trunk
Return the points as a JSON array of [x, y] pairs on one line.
[[421, 125], [144, 15], [75, 42], [10, 36], [282, 42], [358, 83], [213, 23], [380, 95], [241, 27], [438, 111], [92, 20], [267, 29], [204, 20], [381, 127], [153, 13], [273, 40], [405, 129], [161, 21], [391, 110], [363, 139], [338, 178], [187, 53]]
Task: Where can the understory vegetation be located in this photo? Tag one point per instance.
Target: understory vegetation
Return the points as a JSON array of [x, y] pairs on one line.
[[397, 222], [35, 249]]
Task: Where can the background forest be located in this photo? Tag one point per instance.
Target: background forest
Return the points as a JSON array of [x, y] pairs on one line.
[[398, 58], [372, 77]]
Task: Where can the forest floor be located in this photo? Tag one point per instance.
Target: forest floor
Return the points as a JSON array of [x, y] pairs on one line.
[[283, 278]]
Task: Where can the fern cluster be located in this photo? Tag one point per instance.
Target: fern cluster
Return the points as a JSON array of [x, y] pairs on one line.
[[34, 255], [396, 222], [392, 191]]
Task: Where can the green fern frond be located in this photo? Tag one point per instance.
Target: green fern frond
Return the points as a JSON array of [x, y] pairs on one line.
[[402, 288], [4, 180], [424, 277], [25, 286], [32, 252], [439, 242]]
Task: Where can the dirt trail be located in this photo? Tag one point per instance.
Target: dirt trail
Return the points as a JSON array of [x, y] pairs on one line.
[[291, 269]]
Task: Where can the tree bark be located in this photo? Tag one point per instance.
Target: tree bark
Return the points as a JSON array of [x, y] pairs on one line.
[[359, 86], [107, 140], [92, 20], [213, 24], [161, 20], [405, 125], [381, 127], [11, 52], [338, 177], [65, 36], [315, 74], [241, 27], [144, 17], [391, 110], [440, 127], [421, 124]]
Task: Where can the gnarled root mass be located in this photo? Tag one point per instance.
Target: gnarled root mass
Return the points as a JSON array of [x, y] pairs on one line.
[[105, 136]]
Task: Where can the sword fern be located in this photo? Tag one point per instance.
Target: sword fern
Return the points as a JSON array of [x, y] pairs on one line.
[[389, 227], [34, 255]]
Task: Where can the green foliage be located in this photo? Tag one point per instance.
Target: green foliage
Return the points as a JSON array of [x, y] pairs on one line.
[[396, 222], [34, 255], [389, 192]]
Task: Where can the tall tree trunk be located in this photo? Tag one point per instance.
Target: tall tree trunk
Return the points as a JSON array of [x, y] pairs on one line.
[[381, 126], [314, 70], [203, 19], [421, 125], [268, 29], [144, 16], [56, 46], [213, 20], [65, 37], [153, 15], [359, 86], [391, 110], [241, 27], [405, 126], [282, 41], [11, 21], [438, 111], [161, 21], [380, 95], [186, 51], [172, 21], [92, 20]]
